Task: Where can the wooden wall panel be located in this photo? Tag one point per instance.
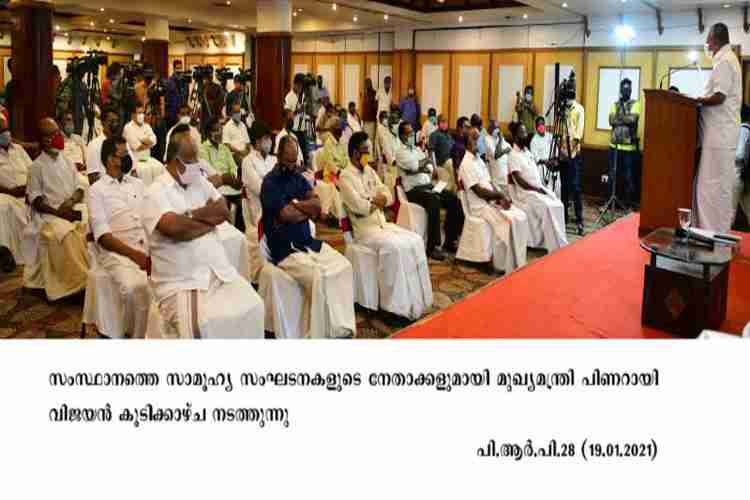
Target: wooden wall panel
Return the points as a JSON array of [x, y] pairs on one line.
[[468, 59], [598, 60], [564, 57], [353, 59], [441, 59], [334, 60]]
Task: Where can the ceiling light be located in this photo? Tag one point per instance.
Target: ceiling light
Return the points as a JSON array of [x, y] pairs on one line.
[[460, 19], [57, 27], [143, 38], [91, 23], [624, 33], [355, 18], [111, 21], [101, 9], [525, 16], [334, 6], [727, 5], [109, 38], [229, 2], [190, 21], [692, 56], [385, 17], [226, 33], [565, 5], [294, 14]]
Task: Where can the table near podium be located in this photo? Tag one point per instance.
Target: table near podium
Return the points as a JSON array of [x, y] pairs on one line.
[[670, 142], [686, 284]]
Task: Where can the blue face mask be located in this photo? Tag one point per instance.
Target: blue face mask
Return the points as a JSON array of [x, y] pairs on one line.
[[411, 142], [5, 139]]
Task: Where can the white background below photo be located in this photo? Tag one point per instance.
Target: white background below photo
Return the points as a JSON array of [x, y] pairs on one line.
[[372, 442]]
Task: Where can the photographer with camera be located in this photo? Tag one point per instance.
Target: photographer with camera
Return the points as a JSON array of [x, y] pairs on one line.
[[174, 97], [295, 104], [526, 111]]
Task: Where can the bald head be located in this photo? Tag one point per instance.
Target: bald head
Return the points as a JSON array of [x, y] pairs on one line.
[[48, 129], [47, 126]]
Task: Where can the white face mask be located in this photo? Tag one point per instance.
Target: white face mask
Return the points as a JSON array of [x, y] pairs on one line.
[[185, 120], [139, 118], [265, 146], [192, 173]]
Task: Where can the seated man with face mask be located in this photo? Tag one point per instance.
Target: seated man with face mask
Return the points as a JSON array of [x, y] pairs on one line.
[[114, 209], [546, 214], [54, 242], [510, 228], [234, 135], [141, 139], [223, 167], [331, 159], [183, 118], [14, 171], [200, 294], [325, 275], [403, 275]]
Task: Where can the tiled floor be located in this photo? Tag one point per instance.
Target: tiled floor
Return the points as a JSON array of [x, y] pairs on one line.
[[27, 314]]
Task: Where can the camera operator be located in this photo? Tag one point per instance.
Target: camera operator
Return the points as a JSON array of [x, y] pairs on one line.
[[623, 146], [571, 162], [295, 105], [235, 96], [173, 98], [214, 97]]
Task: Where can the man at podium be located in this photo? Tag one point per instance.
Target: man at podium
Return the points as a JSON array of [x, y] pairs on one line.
[[720, 125]]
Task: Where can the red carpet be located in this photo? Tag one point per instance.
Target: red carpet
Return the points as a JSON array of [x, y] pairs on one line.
[[590, 289]]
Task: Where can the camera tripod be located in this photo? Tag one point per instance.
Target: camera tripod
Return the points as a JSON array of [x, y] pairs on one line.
[[614, 202], [86, 94], [198, 104]]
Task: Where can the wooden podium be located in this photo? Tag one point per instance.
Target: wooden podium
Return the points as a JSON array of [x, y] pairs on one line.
[[670, 144]]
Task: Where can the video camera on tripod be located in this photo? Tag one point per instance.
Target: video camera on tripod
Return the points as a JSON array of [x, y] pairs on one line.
[[200, 73], [85, 89], [562, 147]]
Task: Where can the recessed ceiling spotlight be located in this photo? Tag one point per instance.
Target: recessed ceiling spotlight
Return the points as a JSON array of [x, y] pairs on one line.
[[334, 6], [294, 14], [143, 38], [57, 27], [91, 23], [190, 21], [111, 21], [565, 5], [355, 18], [525, 16], [109, 38], [460, 19], [727, 5], [229, 2], [226, 33], [385, 17], [101, 9]]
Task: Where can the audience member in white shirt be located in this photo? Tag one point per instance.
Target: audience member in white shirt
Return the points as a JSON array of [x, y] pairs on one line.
[[428, 127], [14, 170], [541, 147], [544, 211], [140, 135], [255, 167], [497, 151], [510, 229], [114, 211], [110, 127], [235, 135], [54, 242], [75, 150], [402, 272], [353, 118], [183, 118], [200, 294]]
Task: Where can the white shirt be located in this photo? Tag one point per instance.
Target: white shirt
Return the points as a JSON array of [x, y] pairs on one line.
[[408, 160], [739, 155], [94, 156], [384, 100], [254, 169], [98, 130], [194, 134], [541, 146], [427, 129], [358, 188], [135, 135], [474, 172], [720, 125], [386, 143], [114, 207], [187, 265], [354, 122], [524, 162], [55, 179], [74, 148], [291, 101], [235, 135], [14, 166]]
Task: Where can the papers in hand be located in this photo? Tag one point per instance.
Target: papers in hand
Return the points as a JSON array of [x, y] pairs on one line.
[[439, 187]]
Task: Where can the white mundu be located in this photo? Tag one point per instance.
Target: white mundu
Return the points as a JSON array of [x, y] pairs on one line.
[[54, 249], [403, 275], [200, 294], [546, 213], [14, 215], [720, 127], [114, 208], [510, 228], [136, 135]]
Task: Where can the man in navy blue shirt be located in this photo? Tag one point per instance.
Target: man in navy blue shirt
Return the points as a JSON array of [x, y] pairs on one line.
[[289, 207]]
